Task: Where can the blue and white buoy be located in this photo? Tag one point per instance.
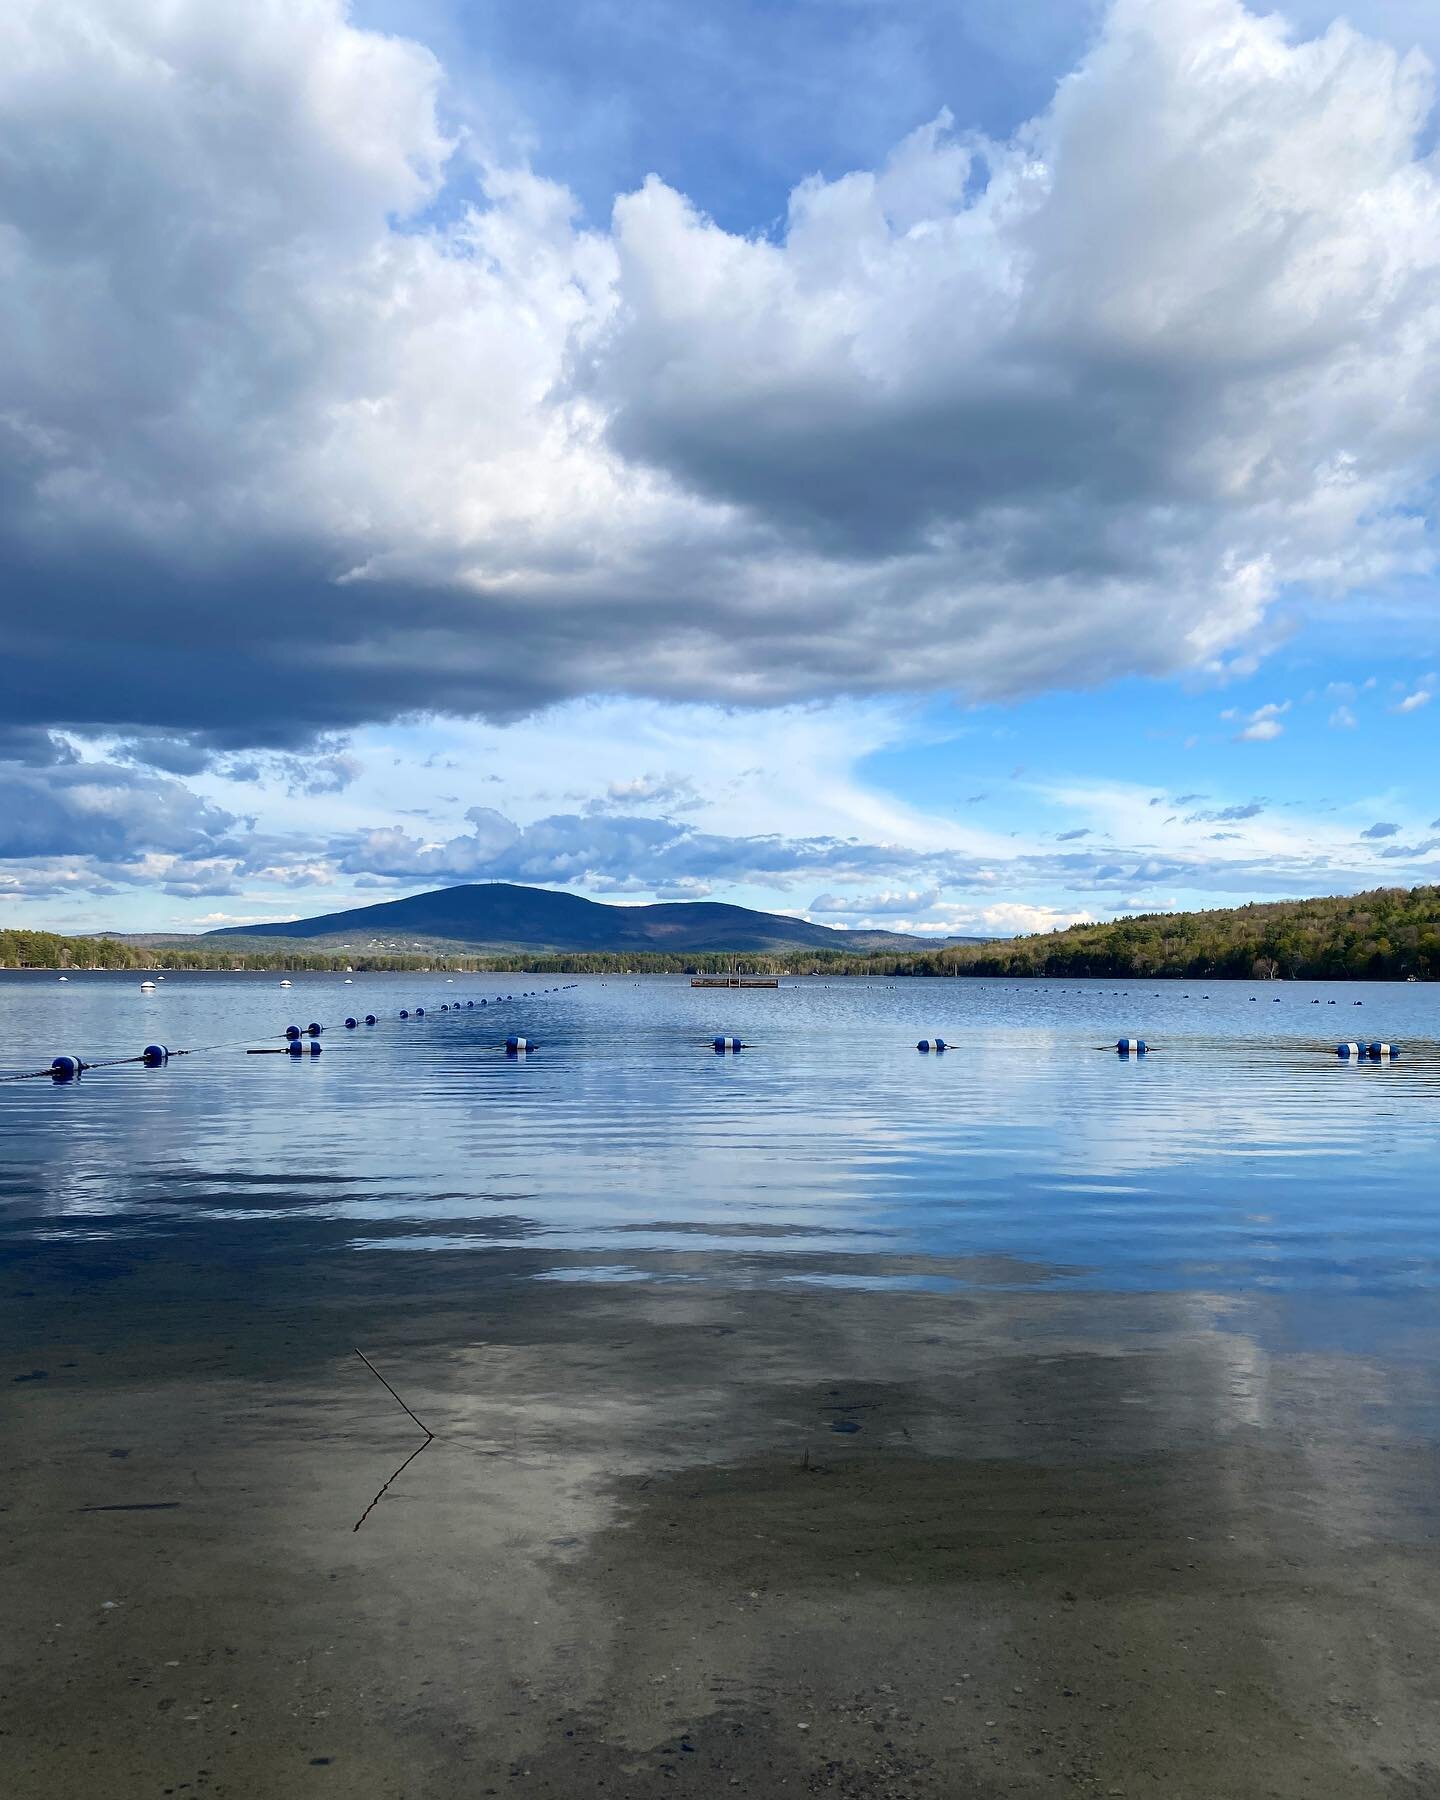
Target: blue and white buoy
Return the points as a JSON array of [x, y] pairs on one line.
[[369, 1018], [153, 1055], [516, 1046], [350, 1024], [292, 1032], [66, 1068], [1383, 1052], [722, 1044], [1348, 1052], [928, 1044], [1131, 1046]]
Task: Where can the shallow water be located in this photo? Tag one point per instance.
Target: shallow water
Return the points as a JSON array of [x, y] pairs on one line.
[[1016, 1420]]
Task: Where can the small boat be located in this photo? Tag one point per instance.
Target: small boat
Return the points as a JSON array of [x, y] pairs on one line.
[[735, 981]]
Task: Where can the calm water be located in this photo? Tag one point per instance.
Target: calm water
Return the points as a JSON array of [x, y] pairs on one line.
[[1022, 1418], [1240, 1156]]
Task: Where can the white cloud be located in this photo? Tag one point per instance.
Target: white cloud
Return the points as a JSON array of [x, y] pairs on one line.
[[1413, 702], [356, 423], [903, 901], [1343, 719], [1261, 726]]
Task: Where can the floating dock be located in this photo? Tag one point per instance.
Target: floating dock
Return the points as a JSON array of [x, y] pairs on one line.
[[734, 981]]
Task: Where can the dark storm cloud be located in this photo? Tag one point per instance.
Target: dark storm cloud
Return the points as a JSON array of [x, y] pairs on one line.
[[308, 420], [30, 745]]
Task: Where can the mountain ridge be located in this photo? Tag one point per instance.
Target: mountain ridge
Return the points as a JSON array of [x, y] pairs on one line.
[[500, 915]]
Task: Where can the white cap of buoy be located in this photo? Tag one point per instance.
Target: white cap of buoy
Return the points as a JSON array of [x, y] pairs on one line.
[[1346, 1051], [1126, 1045], [514, 1045], [1379, 1052], [723, 1044]]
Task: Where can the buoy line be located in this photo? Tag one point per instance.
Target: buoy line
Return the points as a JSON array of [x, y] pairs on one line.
[[65, 1068]]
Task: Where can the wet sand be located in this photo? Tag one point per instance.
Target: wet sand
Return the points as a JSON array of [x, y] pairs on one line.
[[684, 1537]]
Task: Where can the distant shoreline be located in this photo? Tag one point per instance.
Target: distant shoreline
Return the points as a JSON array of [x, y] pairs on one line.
[[1389, 934]]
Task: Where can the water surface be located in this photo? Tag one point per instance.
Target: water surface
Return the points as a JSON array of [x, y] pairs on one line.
[[1017, 1420]]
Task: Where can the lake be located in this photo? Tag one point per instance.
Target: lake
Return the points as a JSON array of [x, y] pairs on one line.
[[875, 1421]]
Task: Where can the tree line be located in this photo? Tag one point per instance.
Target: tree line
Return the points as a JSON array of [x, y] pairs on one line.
[[1387, 934]]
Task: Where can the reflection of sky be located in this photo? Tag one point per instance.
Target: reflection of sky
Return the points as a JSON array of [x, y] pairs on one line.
[[1240, 1156]]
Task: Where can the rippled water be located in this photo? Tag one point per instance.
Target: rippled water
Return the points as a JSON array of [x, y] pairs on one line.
[[1240, 1155], [793, 1386]]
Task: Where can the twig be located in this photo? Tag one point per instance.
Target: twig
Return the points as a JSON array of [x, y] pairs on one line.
[[390, 1390], [399, 1472]]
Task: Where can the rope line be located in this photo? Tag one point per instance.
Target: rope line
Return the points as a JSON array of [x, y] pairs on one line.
[[117, 1062]]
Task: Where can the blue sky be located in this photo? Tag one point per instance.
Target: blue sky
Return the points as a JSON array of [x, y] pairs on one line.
[[960, 467]]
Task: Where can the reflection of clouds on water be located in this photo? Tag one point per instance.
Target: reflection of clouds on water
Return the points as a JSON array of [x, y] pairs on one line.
[[828, 1153]]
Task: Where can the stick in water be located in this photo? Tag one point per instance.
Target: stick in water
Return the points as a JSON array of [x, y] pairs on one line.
[[390, 1390]]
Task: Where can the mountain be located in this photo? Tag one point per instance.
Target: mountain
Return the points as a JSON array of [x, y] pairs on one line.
[[499, 916]]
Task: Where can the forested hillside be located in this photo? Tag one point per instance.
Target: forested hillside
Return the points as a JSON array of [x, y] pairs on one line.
[[1390, 933]]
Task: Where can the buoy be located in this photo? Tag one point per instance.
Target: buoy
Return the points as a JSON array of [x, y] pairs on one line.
[[292, 1031], [1382, 1052], [1346, 1051], [722, 1044], [931, 1044], [153, 1055], [484, 1002], [444, 1006], [315, 1049], [66, 1068], [514, 1045], [350, 1024], [295, 1047], [1126, 1045], [419, 1012], [286, 984], [64, 977], [471, 1002], [147, 987], [369, 1018], [403, 1013], [313, 1030]]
